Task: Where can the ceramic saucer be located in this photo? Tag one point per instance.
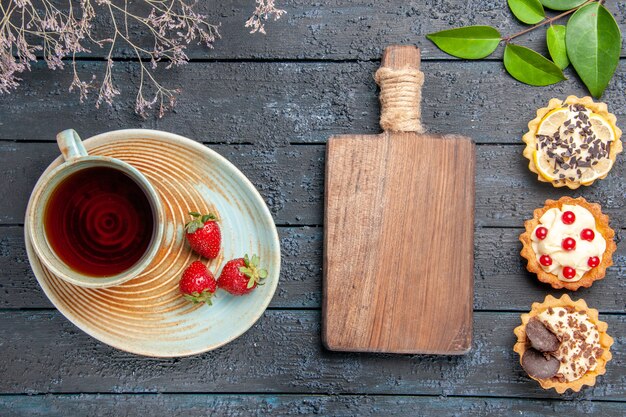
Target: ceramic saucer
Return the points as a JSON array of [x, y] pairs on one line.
[[147, 315]]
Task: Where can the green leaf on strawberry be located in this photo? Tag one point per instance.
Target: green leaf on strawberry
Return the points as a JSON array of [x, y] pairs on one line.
[[196, 298], [252, 271], [198, 221], [198, 284]]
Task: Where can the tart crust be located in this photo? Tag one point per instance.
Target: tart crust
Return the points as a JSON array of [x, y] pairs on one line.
[[606, 341], [531, 140], [602, 226]]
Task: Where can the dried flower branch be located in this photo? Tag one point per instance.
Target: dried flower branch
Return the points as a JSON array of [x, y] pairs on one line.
[[29, 28], [265, 9]]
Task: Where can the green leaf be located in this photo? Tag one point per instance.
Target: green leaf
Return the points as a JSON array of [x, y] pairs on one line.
[[191, 227], [529, 67], [555, 37], [470, 42], [593, 42], [194, 214], [528, 11], [562, 4]]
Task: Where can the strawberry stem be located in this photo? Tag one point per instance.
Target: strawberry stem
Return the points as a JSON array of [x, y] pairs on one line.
[[198, 220], [252, 271], [203, 297]]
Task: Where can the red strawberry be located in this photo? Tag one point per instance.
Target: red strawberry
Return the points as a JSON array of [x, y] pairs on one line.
[[204, 235], [241, 275], [198, 283]]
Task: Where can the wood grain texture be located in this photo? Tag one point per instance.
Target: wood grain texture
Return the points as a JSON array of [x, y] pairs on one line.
[[276, 103], [398, 271], [199, 405], [500, 278], [394, 259], [44, 353]]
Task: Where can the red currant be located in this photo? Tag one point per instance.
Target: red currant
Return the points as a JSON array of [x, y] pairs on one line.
[[593, 261], [569, 272], [545, 260], [568, 243], [541, 233], [568, 217], [587, 234]]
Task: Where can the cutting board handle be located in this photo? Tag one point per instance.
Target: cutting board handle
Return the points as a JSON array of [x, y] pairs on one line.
[[400, 81]]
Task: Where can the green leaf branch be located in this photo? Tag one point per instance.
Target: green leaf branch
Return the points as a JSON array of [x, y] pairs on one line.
[[591, 41]]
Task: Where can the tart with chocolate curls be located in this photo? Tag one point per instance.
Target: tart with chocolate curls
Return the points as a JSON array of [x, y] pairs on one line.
[[562, 344], [572, 142]]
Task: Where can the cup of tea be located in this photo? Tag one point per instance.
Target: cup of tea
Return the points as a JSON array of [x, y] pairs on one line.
[[94, 221]]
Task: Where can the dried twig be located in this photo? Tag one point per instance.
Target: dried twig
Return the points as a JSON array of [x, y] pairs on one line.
[[265, 9], [29, 28]]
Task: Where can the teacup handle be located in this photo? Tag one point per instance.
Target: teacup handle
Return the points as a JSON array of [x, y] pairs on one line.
[[71, 145]]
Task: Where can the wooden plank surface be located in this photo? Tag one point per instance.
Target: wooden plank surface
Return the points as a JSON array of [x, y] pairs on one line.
[[282, 353], [500, 276], [291, 180], [317, 90], [276, 103], [199, 405], [394, 258], [351, 29]]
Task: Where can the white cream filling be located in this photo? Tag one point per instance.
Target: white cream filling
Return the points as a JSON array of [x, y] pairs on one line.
[[557, 231]]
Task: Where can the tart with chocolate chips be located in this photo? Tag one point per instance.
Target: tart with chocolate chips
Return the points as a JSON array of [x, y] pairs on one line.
[[562, 344], [568, 243], [573, 142]]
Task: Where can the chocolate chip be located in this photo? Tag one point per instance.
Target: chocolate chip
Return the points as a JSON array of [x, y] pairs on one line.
[[540, 337], [539, 366]]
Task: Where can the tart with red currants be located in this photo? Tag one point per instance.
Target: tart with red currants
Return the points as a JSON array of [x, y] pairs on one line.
[[568, 243]]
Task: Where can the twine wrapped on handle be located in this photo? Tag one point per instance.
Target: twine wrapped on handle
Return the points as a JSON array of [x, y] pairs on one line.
[[400, 99]]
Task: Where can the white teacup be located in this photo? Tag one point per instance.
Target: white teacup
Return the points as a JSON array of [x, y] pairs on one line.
[[77, 159]]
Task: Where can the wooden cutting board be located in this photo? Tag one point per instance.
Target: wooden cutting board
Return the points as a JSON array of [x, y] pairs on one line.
[[398, 244]]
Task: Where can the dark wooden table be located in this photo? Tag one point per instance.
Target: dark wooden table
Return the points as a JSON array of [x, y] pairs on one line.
[[268, 104]]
